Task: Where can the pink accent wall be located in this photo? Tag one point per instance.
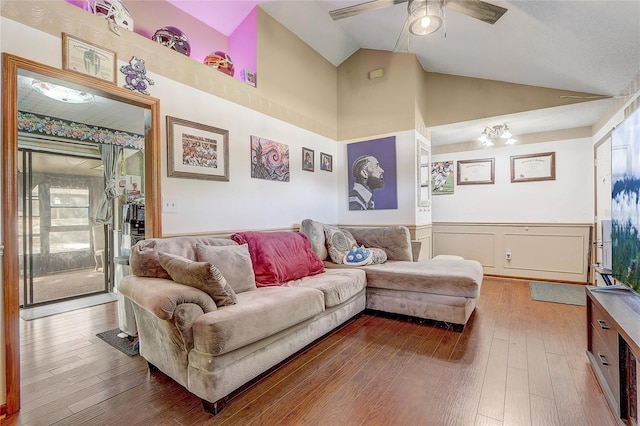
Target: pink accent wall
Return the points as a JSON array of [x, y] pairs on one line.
[[240, 45], [243, 44]]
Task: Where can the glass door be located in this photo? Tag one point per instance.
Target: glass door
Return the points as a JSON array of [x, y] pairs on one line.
[[62, 250]]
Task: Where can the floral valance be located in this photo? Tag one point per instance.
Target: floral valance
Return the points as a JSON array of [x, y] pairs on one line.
[[40, 124]]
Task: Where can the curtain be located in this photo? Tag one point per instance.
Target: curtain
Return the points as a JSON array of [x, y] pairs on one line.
[[110, 155]]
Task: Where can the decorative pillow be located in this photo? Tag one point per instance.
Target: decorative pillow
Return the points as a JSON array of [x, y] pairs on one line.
[[279, 257], [201, 275], [315, 232], [234, 262], [357, 256], [378, 255], [339, 242], [145, 263]]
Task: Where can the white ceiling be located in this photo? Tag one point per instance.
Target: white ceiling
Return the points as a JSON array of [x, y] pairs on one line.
[[584, 46]]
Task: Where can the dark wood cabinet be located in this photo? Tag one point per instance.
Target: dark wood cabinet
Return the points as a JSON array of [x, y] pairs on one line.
[[613, 338]]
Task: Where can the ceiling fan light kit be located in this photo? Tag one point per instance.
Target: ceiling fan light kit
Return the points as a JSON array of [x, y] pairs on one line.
[[425, 16]]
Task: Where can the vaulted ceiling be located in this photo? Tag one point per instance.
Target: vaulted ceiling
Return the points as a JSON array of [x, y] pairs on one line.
[[583, 46]]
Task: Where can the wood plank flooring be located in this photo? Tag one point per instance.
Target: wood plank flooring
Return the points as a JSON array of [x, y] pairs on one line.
[[518, 362]]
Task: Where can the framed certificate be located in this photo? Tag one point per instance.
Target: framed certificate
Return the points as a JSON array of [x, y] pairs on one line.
[[89, 59], [476, 172], [533, 167]]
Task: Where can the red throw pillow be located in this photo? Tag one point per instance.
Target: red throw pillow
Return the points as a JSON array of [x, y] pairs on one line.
[[278, 257]]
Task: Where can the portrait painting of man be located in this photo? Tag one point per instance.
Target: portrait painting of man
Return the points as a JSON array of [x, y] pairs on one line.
[[372, 174]]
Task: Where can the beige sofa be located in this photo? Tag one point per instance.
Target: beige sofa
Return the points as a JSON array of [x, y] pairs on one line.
[[213, 350]]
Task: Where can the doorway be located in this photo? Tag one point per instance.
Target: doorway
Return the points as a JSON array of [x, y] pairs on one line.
[[61, 248], [13, 68]]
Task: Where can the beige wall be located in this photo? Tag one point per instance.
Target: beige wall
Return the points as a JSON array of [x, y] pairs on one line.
[[296, 84], [452, 99], [538, 251], [380, 106]]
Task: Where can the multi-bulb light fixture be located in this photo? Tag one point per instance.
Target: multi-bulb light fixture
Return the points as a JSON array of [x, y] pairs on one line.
[[500, 131]]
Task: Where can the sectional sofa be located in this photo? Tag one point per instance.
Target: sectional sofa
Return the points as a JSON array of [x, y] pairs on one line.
[[215, 313]]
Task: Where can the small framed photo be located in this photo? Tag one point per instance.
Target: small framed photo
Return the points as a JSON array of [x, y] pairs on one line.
[[326, 162], [197, 151], [307, 159], [476, 172], [533, 167], [87, 58]]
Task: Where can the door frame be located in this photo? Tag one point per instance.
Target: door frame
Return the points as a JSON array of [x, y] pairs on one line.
[[11, 65]]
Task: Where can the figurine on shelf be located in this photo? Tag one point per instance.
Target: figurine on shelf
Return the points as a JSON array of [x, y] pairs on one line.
[[221, 61]]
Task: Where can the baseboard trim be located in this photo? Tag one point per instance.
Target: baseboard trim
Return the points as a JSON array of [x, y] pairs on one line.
[[548, 280]]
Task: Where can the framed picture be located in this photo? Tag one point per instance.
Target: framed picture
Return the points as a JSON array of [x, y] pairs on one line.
[[533, 167], [87, 58], [442, 180], [269, 159], [476, 172], [326, 162], [307, 159], [197, 151]]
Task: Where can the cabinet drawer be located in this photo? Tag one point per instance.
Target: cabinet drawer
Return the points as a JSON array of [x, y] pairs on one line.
[[608, 363], [604, 328]]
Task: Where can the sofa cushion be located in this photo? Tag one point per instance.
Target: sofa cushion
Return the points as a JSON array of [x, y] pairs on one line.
[[278, 257], [447, 277], [395, 240], [339, 242], [234, 262], [337, 285], [257, 315], [144, 261], [201, 275], [314, 230]]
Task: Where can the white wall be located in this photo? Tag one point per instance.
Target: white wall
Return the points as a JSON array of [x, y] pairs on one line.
[[244, 202], [567, 199]]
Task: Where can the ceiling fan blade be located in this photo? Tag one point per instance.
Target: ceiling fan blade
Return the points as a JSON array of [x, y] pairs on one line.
[[357, 9], [478, 9], [402, 44]]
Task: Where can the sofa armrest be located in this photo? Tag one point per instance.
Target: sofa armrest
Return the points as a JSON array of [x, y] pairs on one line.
[[162, 297]]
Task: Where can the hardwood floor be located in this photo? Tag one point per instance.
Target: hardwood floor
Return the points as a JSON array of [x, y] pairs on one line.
[[518, 362]]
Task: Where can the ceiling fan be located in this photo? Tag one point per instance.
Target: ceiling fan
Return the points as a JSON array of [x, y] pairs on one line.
[[425, 16]]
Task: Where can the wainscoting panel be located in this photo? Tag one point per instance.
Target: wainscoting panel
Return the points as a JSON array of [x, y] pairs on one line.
[[556, 252], [470, 245], [543, 252]]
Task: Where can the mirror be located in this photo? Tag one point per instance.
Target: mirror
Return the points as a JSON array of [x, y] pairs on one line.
[[15, 70], [424, 175]]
